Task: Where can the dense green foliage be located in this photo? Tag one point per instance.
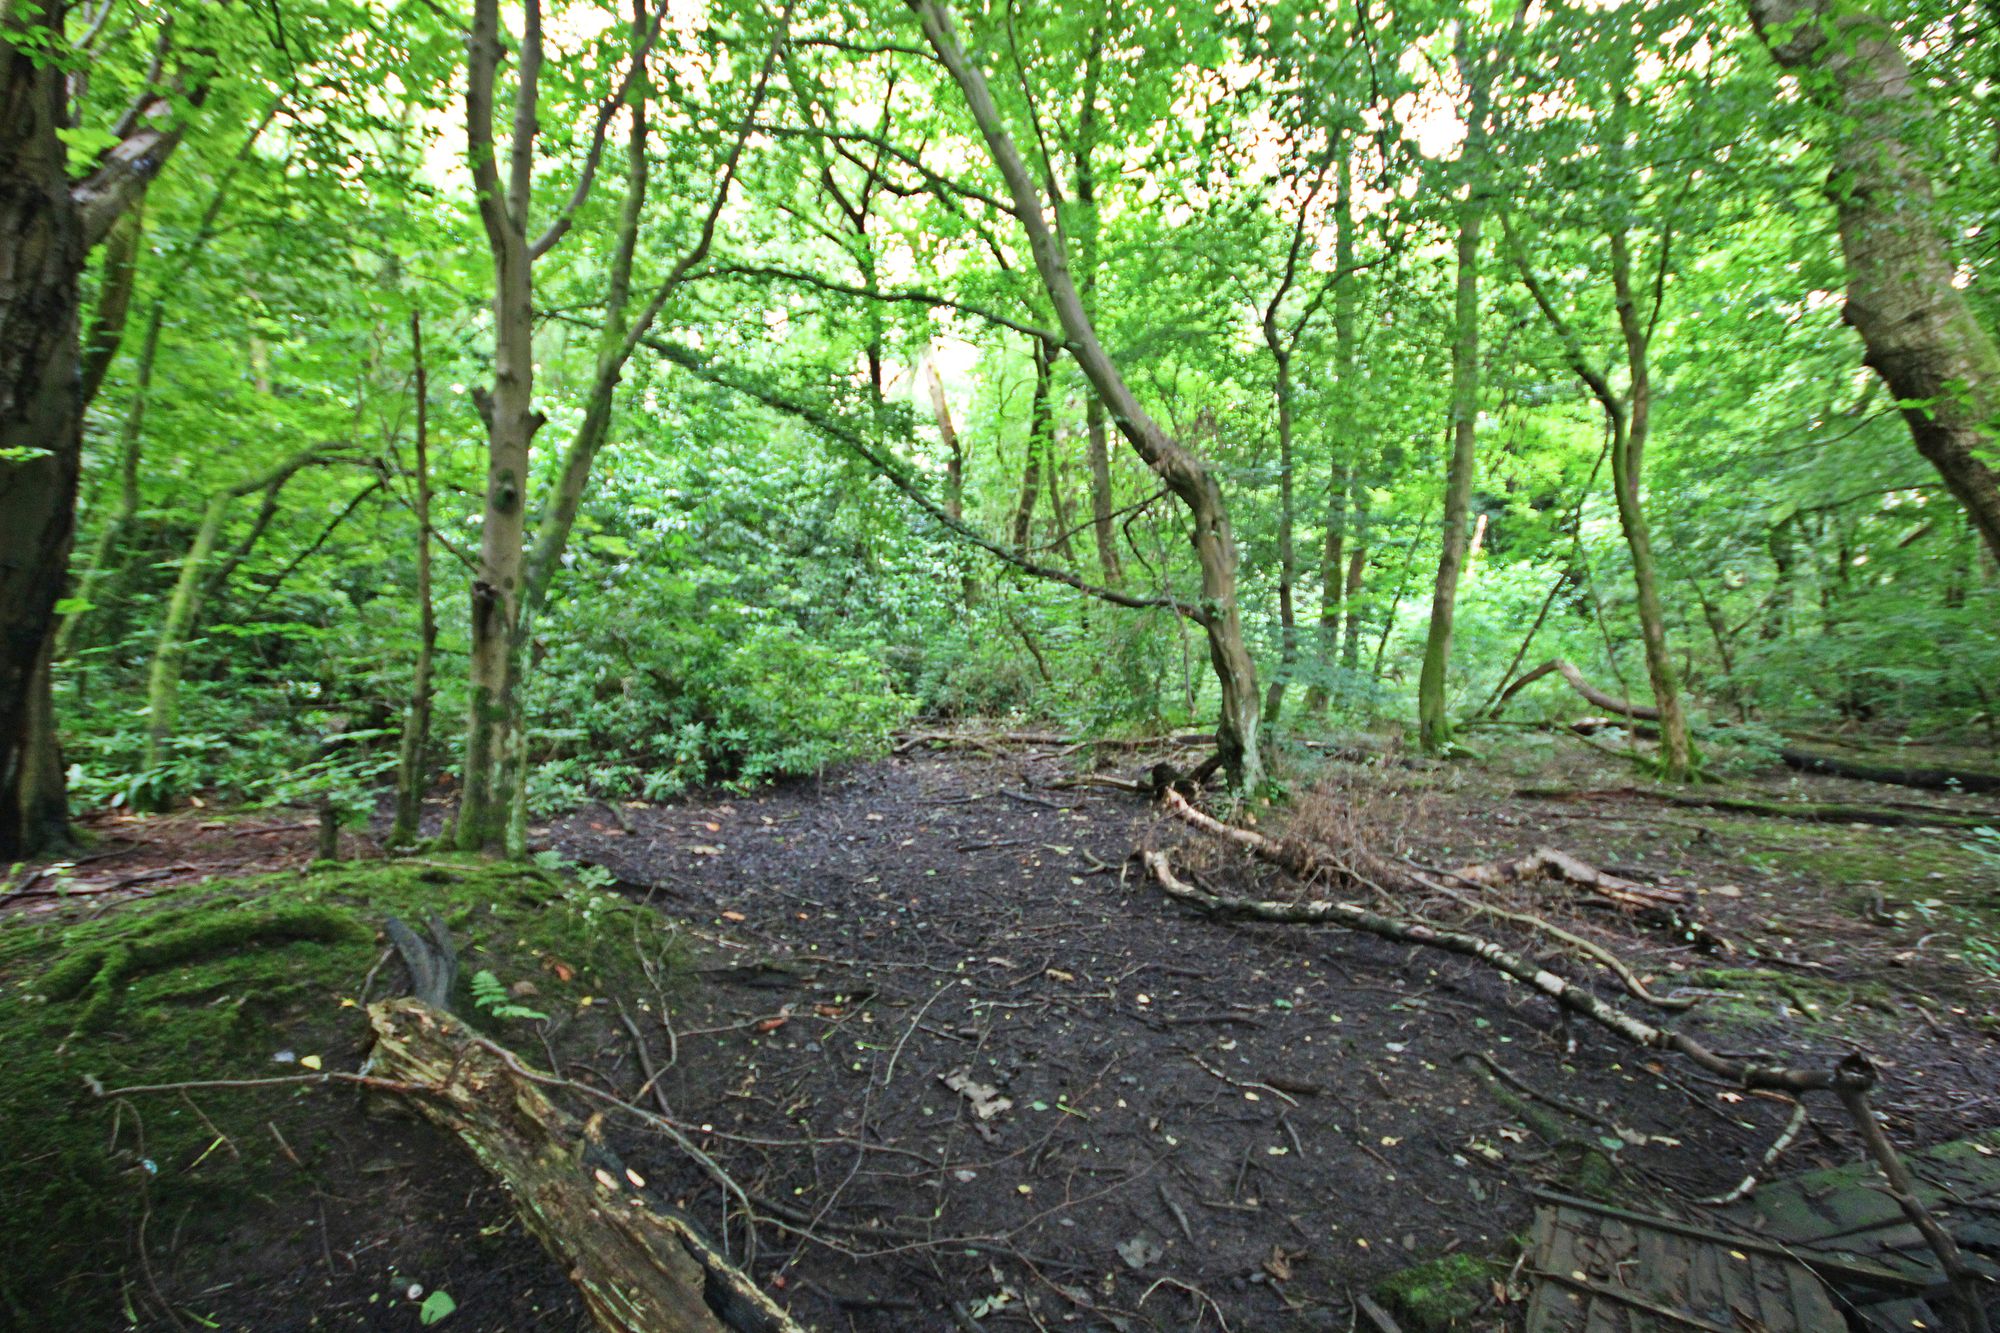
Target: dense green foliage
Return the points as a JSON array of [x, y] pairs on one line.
[[746, 596]]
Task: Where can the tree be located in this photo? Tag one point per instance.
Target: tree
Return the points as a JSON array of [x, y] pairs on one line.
[[1180, 468], [55, 217], [1922, 337], [1433, 723]]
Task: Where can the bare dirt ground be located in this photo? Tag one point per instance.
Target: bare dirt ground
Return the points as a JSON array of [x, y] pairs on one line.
[[937, 1013]]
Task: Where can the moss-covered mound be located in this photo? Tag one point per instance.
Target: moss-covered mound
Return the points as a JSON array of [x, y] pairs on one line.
[[239, 979]]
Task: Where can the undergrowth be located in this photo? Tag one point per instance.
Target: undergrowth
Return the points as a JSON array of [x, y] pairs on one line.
[[235, 979]]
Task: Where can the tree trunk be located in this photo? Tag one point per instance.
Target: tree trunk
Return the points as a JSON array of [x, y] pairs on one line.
[[413, 761], [1348, 479], [1628, 457], [1086, 225], [954, 450], [40, 408], [130, 443], [1183, 472], [1040, 415], [1920, 332], [1288, 626], [508, 411], [1433, 723], [1357, 574]]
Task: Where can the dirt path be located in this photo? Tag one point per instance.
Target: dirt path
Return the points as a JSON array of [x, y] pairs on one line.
[[1031, 1086]]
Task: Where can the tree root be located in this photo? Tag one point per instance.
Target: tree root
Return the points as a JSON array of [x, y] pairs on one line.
[[101, 973]]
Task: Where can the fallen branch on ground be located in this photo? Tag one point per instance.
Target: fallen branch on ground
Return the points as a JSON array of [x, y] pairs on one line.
[[640, 1265], [1850, 1080], [1810, 812], [1771, 1154]]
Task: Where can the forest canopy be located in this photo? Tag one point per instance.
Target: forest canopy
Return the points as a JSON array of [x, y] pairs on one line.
[[578, 400]]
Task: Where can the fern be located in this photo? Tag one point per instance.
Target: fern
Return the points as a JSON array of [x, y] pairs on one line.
[[491, 997]]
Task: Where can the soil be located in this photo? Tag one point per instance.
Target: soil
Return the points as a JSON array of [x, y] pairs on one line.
[[1015, 1086]]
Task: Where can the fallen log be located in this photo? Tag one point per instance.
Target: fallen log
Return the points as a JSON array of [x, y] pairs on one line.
[[641, 1266], [1551, 863], [1898, 775], [1821, 812]]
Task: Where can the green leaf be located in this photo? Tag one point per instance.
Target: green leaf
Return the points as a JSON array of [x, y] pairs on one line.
[[437, 1307]]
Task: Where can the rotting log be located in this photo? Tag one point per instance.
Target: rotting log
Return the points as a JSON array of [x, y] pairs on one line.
[[640, 1265]]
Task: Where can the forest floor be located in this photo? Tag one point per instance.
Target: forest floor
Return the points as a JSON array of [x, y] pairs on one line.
[[938, 1010]]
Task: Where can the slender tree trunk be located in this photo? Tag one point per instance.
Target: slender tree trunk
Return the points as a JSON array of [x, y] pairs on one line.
[[1433, 722], [1178, 467], [413, 762], [954, 449], [1628, 458], [1357, 573], [954, 465], [1085, 223], [509, 414], [1040, 416], [1921, 334], [1288, 560], [1059, 509], [1347, 492], [114, 299], [40, 407], [104, 556], [1332, 581]]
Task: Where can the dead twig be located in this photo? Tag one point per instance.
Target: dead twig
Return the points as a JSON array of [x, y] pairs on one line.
[[1771, 1154]]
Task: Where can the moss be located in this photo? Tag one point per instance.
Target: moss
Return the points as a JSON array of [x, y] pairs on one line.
[[211, 981], [101, 973], [1441, 1294]]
